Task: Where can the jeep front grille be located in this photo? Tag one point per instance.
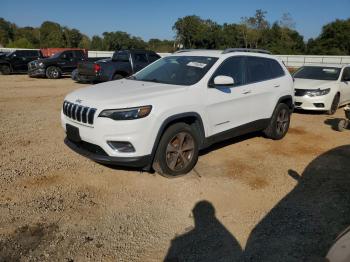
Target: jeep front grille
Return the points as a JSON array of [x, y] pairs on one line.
[[79, 113]]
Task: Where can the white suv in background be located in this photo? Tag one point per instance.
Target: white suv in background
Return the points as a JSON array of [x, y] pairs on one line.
[[322, 87], [163, 115]]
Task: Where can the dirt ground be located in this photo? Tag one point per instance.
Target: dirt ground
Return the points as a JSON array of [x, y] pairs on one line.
[[249, 199]]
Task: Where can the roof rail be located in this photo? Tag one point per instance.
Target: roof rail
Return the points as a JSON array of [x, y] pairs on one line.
[[252, 50], [193, 49]]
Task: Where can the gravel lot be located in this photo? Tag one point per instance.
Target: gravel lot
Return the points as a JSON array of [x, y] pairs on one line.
[[248, 199]]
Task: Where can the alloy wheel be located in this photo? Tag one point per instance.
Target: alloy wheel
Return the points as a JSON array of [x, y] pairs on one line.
[[180, 151], [282, 121]]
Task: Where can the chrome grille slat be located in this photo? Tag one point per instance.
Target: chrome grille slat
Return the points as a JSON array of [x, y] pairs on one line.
[[79, 113]]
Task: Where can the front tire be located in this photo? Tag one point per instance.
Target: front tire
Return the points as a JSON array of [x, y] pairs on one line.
[[279, 123], [177, 151], [335, 105], [53, 72]]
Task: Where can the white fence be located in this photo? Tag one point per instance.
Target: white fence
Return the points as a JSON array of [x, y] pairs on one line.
[[289, 60]]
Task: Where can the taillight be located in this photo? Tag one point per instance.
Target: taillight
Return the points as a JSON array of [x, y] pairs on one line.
[[97, 68]]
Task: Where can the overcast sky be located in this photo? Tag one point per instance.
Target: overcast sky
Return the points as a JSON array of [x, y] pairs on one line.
[[155, 18]]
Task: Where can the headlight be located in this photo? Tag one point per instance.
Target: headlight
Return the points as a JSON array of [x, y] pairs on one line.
[[127, 113], [41, 65], [318, 92]]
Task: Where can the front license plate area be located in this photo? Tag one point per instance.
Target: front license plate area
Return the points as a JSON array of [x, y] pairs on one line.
[[73, 133]]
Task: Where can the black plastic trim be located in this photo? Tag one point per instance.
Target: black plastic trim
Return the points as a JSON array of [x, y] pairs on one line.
[[137, 162], [254, 126]]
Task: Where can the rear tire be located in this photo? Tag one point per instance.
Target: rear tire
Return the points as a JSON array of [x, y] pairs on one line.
[[177, 151], [279, 123], [53, 72], [117, 77], [335, 105], [5, 70]]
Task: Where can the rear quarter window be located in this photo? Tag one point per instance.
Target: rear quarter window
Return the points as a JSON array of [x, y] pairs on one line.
[[261, 69]]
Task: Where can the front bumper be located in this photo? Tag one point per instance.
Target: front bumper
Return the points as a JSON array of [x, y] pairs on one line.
[[317, 103], [97, 154], [40, 72]]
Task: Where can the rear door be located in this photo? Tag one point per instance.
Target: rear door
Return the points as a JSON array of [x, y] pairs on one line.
[[345, 86], [264, 76], [140, 60]]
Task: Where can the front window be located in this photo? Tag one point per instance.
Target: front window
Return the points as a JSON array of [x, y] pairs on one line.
[[177, 70], [318, 73]]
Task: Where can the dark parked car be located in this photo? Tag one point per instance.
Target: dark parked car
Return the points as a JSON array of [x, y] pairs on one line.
[[17, 61], [54, 66], [122, 64]]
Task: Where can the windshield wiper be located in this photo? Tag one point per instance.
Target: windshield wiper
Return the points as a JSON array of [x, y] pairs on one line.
[[132, 77], [155, 80]]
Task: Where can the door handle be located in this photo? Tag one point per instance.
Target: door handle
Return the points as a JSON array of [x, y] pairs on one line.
[[247, 92], [277, 85]]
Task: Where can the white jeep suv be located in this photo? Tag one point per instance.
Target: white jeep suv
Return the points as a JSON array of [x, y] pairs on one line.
[[163, 115]]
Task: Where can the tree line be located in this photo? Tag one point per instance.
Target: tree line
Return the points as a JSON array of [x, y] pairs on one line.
[[280, 37]]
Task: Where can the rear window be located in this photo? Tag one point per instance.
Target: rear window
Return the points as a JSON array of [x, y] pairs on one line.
[[140, 58], [153, 57], [318, 73], [262, 69], [121, 56]]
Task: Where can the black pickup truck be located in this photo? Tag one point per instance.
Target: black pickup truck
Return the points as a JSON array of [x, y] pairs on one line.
[[17, 61], [122, 64], [54, 66]]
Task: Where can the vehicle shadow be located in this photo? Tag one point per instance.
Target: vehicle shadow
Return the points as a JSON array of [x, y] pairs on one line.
[[333, 122], [209, 240], [304, 224], [301, 227]]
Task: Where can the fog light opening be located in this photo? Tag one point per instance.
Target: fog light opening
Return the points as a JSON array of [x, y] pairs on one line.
[[319, 105], [123, 147]]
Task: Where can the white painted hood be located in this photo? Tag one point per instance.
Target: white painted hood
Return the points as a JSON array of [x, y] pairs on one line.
[[301, 83], [122, 92]]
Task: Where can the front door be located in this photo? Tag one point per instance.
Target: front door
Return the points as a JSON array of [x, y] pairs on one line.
[[228, 107]]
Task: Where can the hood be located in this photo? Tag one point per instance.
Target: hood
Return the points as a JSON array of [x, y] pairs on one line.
[[124, 93], [311, 84], [46, 60]]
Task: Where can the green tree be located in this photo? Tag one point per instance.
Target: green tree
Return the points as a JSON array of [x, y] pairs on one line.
[[51, 35], [333, 40], [6, 32], [96, 43]]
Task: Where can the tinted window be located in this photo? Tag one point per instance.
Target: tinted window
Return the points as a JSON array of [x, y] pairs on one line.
[[232, 67], [276, 69], [68, 55], [140, 58], [318, 73], [32, 53], [258, 69], [346, 74], [79, 54], [153, 57], [121, 56]]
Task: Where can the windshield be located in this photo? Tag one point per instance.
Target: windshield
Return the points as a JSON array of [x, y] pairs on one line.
[[176, 70], [318, 73], [56, 55]]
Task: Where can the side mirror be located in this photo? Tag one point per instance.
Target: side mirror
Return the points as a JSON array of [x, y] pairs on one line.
[[223, 81]]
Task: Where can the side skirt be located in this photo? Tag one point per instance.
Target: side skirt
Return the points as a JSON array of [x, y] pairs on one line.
[[254, 126]]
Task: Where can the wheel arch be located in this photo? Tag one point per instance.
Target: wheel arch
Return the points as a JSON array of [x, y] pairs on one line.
[[6, 63], [119, 72], [191, 118]]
